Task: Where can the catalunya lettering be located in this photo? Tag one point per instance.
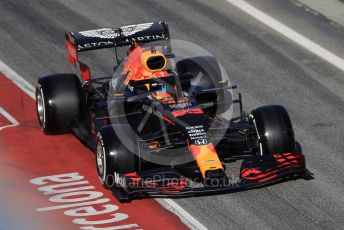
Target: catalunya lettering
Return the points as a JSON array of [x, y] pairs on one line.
[[78, 198]]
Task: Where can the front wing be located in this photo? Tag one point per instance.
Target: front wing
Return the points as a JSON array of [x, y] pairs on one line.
[[255, 172]]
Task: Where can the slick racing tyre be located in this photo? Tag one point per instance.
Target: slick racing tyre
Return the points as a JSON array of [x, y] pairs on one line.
[[274, 129], [207, 75], [113, 158], [58, 102]]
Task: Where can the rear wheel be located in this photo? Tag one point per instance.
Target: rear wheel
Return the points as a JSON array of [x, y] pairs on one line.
[[274, 129], [114, 159], [58, 102], [207, 75]]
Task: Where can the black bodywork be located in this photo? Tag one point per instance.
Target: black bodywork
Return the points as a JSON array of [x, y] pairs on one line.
[[237, 142]]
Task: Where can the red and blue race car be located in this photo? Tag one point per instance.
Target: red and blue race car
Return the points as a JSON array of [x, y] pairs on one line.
[[158, 128]]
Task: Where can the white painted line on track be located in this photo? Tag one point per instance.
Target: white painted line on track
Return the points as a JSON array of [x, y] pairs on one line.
[[9, 118], [185, 217], [17, 79], [169, 204], [289, 33]]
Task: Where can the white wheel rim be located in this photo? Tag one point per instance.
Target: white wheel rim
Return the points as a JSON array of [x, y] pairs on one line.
[[100, 161], [41, 108]]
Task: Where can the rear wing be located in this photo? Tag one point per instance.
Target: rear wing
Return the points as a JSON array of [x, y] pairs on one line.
[[114, 37]]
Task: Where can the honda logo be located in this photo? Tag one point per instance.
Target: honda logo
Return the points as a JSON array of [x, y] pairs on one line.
[[201, 142]]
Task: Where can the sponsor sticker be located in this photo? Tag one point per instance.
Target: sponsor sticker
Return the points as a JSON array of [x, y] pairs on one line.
[[197, 133], [201, 142]]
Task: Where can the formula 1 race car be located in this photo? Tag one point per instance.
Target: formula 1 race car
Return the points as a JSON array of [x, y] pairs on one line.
[[159, 129]]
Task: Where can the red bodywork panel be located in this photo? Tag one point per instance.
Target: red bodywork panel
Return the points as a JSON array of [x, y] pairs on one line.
[[255, 171], [179, 113], [72, 53], [136, 70]]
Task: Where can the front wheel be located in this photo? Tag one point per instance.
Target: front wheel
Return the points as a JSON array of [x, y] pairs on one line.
[[113, 158], [274, 129]]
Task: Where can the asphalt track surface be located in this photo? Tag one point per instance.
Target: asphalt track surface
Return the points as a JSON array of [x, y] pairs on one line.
[[267, 67]]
